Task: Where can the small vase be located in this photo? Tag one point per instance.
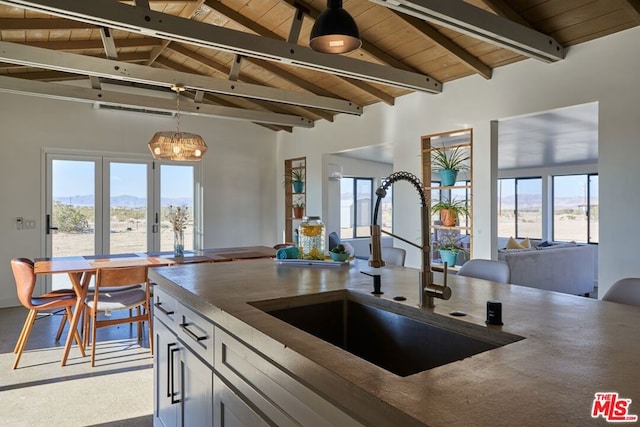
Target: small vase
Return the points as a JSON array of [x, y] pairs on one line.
[[178, 243]]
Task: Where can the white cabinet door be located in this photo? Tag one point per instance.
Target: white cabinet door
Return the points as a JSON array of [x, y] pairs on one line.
[[231, 410], [196, 390], [165, 363]]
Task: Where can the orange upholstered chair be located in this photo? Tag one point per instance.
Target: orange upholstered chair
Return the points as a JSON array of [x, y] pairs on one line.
[[25, 279]]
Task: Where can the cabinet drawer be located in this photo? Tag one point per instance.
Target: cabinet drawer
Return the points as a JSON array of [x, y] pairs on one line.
[[164, 307], [282, 399], [196, 333]]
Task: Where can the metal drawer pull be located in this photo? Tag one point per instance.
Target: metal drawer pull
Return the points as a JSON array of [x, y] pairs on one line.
[[173, 392], [191, 333], [158, 305]]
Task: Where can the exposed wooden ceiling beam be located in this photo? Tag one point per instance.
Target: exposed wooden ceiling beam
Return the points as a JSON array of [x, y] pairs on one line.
[[49, 76], [88, 95], [290, 77], [125, 57], [467, 19], [380, 94], [212, 99], [282, 109], [223, 69], [206, 98], [632, 7], [436, 36], [72, 45], [140, 20], [502, 8], [259, 29], [142, 3], [187, 13], [42, 24], [70, 62], [109, 43]]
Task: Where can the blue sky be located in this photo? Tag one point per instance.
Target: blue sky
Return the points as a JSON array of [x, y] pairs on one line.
[[77, 178]]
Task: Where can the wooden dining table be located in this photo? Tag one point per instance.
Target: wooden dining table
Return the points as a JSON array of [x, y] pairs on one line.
[[81, 269]]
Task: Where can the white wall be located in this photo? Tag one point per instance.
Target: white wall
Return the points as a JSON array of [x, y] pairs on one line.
[[586, 75], [238, 169]]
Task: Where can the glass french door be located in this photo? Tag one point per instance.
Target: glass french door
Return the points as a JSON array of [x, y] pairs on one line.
[[103, 205]]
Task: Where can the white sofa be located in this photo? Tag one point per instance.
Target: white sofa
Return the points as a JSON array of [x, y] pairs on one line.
[[567, 267]]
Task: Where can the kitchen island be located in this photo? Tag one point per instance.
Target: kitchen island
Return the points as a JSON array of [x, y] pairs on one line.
[[572, 348]]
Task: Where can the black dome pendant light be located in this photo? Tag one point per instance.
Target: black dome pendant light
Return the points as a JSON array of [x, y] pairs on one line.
[[334, 31]]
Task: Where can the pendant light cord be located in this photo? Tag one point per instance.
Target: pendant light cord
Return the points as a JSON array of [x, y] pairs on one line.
[[177, 88]]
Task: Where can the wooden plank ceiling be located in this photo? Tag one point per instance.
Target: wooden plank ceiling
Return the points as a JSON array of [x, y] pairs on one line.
[[389, 38]]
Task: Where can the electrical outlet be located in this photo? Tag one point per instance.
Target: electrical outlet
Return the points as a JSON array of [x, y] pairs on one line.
[[30, 224], [19, 223]]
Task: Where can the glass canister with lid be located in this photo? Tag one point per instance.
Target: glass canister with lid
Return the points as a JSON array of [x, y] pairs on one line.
[[311, 235]]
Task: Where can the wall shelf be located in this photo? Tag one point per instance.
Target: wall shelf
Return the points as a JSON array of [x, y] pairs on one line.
[[291, 197], [462, 140]]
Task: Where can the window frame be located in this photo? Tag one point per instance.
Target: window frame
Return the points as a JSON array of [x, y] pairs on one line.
[[587, 177], [354, 226], [515, 203]]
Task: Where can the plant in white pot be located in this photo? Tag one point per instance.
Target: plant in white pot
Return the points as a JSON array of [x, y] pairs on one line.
[[448, 162]]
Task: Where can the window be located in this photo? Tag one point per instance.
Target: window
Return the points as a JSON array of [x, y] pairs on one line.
[[575, 208], [520, 207], [105, 205], [356, 204], [176, 189]]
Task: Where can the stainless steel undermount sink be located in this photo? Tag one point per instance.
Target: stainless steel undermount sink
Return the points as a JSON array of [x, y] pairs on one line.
[[398, 338]]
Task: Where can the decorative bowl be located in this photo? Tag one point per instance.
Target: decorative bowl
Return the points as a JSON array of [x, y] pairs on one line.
[[339, 257]]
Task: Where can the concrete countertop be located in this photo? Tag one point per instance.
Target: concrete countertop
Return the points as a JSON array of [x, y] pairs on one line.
[[574, 347]]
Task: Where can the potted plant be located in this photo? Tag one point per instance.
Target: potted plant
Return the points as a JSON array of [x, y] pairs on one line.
[[449, 247], [448, 162], [298, 209], [450, 210], [295, 177]]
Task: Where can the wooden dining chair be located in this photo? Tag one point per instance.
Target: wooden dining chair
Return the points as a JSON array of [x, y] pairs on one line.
[[25, 279], [109, 296]]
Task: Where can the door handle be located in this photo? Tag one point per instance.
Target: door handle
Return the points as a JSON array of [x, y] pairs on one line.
[[170, 369], [48, 226], [172, 351]]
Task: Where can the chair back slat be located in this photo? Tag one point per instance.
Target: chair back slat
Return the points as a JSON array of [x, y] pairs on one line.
[[115, 277]]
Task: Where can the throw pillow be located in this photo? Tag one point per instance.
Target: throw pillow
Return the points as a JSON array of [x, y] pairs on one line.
[[513, 244]]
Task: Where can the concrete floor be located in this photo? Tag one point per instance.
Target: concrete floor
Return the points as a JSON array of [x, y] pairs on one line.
[[40, 392]]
